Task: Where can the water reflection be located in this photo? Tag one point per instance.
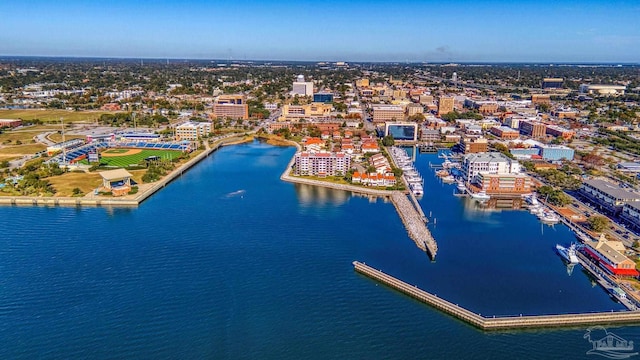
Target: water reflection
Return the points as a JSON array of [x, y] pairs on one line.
[[309, 195]]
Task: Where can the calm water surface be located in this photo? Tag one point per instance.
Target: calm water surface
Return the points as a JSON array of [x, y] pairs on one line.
[[228, 262]]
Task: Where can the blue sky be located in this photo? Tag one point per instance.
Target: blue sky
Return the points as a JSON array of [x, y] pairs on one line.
[[445, 30]]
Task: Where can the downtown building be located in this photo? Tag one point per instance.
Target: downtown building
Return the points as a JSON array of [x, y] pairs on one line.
[[534, 129], [386, 113], [301, 87], [321, 164], [607, 197], [231, 106]]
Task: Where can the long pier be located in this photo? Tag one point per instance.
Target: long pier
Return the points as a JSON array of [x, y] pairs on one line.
[[501, 322], [414, 223]]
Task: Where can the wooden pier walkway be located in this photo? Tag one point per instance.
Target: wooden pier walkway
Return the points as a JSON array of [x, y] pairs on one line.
[[414, 224], [502, 322]]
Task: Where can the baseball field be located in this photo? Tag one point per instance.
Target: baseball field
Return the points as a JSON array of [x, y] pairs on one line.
[[126, 157]]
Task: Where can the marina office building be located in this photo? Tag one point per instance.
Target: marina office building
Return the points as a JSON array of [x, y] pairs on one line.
[[488, 163], [610, 256], [609, 197], [495, 173]]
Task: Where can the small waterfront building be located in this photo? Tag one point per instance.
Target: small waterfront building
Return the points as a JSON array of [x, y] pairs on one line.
[[470, 145], [504, 184], [117, 181], [607, 196], [430, 135], [610, 256]]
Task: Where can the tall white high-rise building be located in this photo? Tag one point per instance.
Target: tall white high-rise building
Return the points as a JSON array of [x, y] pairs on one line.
[[301, 87]]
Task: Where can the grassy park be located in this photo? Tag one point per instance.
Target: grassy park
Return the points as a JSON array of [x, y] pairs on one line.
[[48, 115]]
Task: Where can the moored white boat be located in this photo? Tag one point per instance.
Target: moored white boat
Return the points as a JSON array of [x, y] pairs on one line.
[[417, 189], [569, 254], [481, 196], [548, 217]]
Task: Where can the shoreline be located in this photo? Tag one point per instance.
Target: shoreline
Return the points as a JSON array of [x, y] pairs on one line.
[[120, 202], [409, 215]]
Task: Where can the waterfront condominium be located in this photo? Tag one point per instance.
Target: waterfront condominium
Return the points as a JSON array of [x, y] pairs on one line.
[[322, 163]]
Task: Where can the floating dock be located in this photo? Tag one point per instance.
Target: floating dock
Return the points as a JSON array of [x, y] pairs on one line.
[[414, 223], [502, 322]]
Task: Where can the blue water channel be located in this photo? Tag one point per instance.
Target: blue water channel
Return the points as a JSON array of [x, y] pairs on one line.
[[229, 262]]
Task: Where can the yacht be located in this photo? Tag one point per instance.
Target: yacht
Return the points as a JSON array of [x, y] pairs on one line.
[[448, 179], [569, 254], [416, 188], [481, 196], [461, 187], [548, 217]]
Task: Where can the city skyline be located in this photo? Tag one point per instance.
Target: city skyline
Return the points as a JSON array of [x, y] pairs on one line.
[[377, 31]]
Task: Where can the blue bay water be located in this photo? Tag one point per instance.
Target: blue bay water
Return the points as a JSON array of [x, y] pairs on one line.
[[228, 262]]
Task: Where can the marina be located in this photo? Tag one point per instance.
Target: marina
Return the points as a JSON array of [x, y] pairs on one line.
[[410, 176]]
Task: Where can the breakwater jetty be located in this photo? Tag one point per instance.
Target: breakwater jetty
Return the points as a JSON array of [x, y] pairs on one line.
[[501, 322], [414, 224]]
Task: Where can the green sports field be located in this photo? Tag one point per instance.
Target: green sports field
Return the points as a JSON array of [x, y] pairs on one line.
[[126, 160]]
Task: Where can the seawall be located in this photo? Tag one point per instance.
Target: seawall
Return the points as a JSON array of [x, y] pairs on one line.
[[117, 202]]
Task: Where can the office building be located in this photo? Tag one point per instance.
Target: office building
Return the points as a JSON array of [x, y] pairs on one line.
[[231, 106], [192, 130], [323, 97], [445, 105], [471, 145], [384, 113], [555, 152], [301, 87], [558, 131], [534, 129], [505, 132]]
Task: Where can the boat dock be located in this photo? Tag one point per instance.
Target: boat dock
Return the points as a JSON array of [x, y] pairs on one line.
[[414, 224], [500, 322]]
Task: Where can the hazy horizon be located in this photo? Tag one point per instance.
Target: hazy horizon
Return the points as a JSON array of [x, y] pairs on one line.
[[458, 31]]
